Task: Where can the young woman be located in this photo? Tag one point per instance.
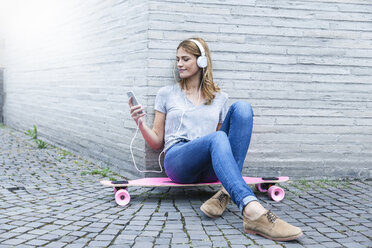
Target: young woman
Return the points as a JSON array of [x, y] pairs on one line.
[[204, 142]]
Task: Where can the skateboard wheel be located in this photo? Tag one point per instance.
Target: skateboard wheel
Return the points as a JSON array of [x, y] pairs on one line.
[[276, 193], [122, 197]]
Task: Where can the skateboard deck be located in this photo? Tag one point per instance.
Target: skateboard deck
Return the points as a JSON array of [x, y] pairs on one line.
[[122, 196]]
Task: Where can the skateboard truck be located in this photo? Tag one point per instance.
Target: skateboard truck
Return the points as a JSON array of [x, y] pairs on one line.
[[120, 182], [270, 178], [276, 193]]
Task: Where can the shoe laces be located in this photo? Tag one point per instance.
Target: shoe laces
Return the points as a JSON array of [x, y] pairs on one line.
[[271, 216], [221, 197]]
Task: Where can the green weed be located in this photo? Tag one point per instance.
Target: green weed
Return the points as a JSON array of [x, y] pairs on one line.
[[339, 183], [106, 172], [64, 153], [33, 134], [103, 172], [41, 144], [305, 184]]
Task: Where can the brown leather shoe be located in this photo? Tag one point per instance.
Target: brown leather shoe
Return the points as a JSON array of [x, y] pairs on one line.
[[216, 205], [270, 226]]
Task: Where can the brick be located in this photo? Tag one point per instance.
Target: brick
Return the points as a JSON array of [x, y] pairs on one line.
[[37, 242], [13, 242]]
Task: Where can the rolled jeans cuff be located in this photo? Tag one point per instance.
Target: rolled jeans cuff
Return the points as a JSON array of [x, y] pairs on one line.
[[245, 202]]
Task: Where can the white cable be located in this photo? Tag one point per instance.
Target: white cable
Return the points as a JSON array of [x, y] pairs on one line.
[[178, 129], [134, 161], [184, 110]]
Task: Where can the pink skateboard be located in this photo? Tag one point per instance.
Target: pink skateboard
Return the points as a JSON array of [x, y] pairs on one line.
[[263, 184]]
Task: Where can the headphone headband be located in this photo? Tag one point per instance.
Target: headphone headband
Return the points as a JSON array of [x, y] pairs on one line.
[[200, 46], [202, 60]]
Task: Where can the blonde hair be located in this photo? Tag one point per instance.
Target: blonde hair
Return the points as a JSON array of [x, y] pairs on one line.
[[209, 88]]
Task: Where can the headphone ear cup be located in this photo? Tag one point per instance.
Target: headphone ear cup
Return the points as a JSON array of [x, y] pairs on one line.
[[202, 61]]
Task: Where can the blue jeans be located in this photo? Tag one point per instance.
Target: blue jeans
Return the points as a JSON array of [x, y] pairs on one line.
[[216, 156]]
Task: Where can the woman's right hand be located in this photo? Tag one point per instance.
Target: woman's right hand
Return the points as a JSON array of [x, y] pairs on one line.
[[136, 111], [155, 136]]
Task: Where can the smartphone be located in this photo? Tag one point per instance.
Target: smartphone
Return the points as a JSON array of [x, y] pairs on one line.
[[134, 99]]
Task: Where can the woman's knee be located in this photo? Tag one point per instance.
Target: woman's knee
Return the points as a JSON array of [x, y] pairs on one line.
[[218, 141], [219, 137], [243, 108]]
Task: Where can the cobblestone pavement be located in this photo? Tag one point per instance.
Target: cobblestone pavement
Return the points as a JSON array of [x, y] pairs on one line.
[[53, 198]]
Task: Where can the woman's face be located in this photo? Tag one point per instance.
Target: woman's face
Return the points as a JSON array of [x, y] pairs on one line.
[[186, 64]]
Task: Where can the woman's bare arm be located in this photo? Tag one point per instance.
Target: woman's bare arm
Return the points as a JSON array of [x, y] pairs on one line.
[[155, 136]]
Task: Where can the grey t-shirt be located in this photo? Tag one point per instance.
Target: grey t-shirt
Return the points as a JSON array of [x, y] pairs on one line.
[[197, 121]]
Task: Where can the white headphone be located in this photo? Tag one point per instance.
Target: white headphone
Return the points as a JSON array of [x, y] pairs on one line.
[[202, 61]]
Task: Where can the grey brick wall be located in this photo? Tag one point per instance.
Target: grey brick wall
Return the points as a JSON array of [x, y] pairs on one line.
[[305, 66], [72, 83], [1, 94]]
